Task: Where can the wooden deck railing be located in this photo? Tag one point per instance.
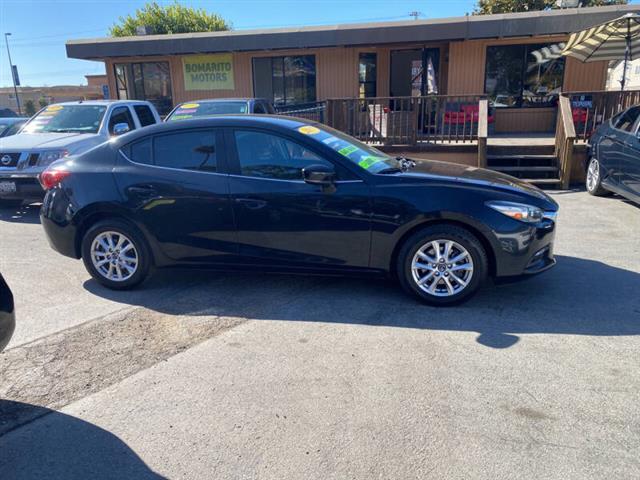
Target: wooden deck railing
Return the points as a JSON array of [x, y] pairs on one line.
[[565, 140], [407, 120], [590, 109]]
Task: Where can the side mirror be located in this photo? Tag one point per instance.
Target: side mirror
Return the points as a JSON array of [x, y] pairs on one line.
[[120, 129], [319, 175]]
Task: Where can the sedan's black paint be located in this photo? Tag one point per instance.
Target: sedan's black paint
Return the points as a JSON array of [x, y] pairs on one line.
[[7, 314], [224, 218]]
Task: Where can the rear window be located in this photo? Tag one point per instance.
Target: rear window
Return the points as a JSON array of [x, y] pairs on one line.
[[205, 109], [145, 115]]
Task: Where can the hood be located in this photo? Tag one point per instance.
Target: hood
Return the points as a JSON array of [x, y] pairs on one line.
[[475, 175], [69, 141]]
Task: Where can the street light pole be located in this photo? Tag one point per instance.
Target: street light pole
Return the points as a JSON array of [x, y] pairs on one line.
[[15, 88]]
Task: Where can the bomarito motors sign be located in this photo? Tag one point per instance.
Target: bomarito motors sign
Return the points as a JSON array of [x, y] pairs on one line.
[[208, 72]]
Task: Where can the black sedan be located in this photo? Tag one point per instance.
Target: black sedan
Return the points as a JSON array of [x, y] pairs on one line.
[[614, 160], [7, 314], [280, 194]]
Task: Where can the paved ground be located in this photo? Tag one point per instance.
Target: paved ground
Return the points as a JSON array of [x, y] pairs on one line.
[[244, 376]]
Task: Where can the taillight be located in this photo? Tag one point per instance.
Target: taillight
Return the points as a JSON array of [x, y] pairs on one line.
[[52, 177]]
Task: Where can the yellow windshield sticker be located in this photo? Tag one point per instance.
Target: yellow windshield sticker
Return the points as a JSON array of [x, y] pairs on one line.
[[189, 105], [54, 108], [368, 161], [309, 130]]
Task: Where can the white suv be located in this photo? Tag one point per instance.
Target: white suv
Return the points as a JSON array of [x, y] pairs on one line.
[[61, 130]]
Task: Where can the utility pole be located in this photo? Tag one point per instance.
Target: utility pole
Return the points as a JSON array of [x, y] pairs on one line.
[[415, 14], [13, 77]]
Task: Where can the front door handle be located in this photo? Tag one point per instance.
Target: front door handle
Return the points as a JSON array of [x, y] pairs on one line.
[[251, 203]]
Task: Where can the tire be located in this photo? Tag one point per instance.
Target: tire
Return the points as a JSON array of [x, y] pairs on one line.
[[447, 290], [108, 233], [13, 203], [593, 181]]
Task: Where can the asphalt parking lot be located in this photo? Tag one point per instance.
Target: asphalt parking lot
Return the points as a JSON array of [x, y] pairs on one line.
[[209, 375]]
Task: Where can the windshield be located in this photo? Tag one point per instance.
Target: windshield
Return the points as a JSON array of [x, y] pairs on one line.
[[204, 109], [366, 157], [67, 118]]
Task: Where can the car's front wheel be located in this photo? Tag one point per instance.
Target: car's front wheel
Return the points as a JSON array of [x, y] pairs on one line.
[[116, 254], [442, 265], [594, 178]]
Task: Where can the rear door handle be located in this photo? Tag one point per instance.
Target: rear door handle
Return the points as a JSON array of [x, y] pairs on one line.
[[251, 203], [143, 190]]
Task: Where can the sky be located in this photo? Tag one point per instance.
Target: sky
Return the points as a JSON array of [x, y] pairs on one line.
[[39, 28]]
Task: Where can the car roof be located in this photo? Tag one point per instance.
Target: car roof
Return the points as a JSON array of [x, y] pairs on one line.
[[256, 121], [102, 102], [223, 100]]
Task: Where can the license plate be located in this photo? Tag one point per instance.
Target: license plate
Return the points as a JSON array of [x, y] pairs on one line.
[[7, 187]]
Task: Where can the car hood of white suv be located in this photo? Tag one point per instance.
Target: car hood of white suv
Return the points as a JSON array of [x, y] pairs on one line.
[[73, 142]]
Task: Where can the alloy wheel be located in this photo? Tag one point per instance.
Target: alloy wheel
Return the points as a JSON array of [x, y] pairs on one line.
[[593, 175], [114, 256], [442, 268]]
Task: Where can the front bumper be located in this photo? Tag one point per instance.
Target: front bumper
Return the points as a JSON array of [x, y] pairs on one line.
[[19, 185], [526, 252]]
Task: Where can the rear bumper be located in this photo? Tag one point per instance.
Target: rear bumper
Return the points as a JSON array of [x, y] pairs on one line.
[[27, 186], [59, 230]]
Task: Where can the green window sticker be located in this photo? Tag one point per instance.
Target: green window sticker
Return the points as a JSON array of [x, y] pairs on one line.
[[370, 160], [348, 150]]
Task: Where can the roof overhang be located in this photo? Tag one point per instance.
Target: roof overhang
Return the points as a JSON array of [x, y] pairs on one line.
[[551, 22]]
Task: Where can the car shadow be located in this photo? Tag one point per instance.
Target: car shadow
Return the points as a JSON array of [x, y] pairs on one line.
[[56, 445], [577, 297], [26, 213]]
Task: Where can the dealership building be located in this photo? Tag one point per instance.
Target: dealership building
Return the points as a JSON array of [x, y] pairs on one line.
[[512, 58]]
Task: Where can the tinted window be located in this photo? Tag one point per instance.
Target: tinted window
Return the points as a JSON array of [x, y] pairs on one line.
[[67, 118], [145, 115], [145, 81], [258, 108], [367, 75], [271, 156], [627, 119], [140, 151], [121, 115], [285, 80], [193, 150]]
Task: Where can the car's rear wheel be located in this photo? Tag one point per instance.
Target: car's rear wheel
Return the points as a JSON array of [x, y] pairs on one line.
[[442, 265], [593, 180], [116, 254], [12, 203]]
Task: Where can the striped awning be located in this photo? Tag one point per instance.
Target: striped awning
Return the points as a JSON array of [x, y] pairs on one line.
[[607, 41]]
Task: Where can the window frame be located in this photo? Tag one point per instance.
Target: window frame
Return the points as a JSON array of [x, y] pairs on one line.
[[130, 83], [524, 58], [634, 126], [368, 82], [281, 59], [235, 169], [222, 163], [144, 106], [132, 117]]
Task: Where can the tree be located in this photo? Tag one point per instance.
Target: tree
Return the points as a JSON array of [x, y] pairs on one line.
[[43, 102], [485, 7], [173, 18], [29, 108]]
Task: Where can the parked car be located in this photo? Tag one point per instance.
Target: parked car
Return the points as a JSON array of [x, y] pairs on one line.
[[614, 156], [220, 106], [61, 130], [11, 125], [7, 314], [276, 193]]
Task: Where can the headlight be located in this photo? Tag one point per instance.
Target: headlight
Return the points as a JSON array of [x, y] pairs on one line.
[[51, 156], [518, 211]]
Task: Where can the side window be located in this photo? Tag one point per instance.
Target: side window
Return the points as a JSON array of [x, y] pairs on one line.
[[140, 151], [145, 115], [121, 115], [627, 120], [258, 107], [191, 150], [270, 156]]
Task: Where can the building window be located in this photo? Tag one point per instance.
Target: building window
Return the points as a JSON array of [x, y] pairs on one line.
[[524, 75], [145, 81], [367, 75], [285, 80]]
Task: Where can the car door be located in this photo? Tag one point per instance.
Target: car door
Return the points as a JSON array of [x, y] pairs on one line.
[[611, 149], [177, 187], [121, 115], [283, 221], [630, 162]]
